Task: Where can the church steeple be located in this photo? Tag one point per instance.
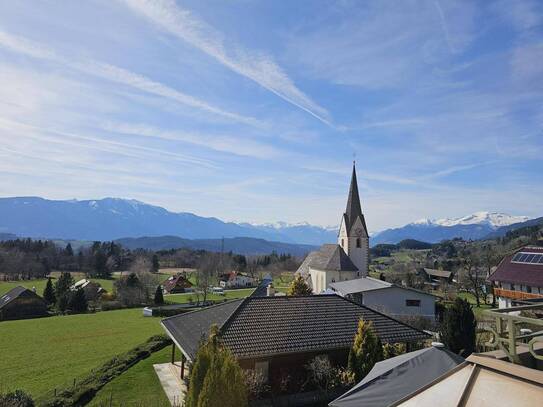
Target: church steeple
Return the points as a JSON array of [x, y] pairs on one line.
[[354, 209]]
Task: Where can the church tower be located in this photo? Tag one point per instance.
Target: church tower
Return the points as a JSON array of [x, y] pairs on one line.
[[353, 235]]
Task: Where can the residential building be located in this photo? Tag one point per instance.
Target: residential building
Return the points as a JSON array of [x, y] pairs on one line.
[[236, 279], [349, 258], [386, 297], [279, 335], [177, 284], [21, 303], [93, 290], [519, 277], [439, 277]]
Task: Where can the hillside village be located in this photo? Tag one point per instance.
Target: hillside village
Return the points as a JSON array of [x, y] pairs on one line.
[[290, 326]]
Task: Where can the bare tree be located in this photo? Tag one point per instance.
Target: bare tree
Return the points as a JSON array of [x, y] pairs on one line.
[[473, 275], [208, 267]]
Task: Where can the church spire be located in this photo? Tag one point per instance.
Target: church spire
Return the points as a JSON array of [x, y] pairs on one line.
[[354, 210]]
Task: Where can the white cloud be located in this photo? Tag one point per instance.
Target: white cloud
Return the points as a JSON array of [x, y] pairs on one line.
[[254, 65]]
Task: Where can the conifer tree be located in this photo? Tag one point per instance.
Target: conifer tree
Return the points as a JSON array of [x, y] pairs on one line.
[[366, 351], [49, 293], [78, 301], [155, 266], [69, 251], [63, 284], [159, 298], [458, 329], [299, 287]]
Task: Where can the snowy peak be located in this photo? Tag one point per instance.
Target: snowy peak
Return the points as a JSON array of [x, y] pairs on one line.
[[491, 219]]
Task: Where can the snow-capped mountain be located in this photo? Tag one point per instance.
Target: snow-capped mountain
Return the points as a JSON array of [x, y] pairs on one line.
[[302, 232], [475, 226]]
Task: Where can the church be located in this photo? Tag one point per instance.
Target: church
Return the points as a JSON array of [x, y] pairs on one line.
[[349, 258]]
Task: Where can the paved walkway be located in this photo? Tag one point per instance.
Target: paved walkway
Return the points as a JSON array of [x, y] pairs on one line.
[[169, 376]]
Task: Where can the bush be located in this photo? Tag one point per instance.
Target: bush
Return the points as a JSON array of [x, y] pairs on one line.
[[321, 373], [256, 384], [110, 305], [87, 387], [17, 398], [367, 350], [458, 329]]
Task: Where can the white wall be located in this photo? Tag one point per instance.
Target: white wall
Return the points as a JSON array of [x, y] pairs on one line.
[[320, 280], [392, 301]]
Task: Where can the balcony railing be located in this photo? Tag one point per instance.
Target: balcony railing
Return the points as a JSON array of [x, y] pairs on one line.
[[516, 295]]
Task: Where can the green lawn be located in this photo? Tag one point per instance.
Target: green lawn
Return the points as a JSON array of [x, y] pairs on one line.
[[229, 295], [138, 386], [5, 286], [41, 354]]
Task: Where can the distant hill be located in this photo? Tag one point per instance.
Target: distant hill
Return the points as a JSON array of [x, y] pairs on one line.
[[240, 245], [114, 218], [502, 231], [476, 226]]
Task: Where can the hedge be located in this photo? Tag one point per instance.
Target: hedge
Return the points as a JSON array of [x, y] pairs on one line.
[[85, 389]]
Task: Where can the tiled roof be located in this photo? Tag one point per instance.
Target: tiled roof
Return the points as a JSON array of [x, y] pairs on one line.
[[11, 295], [520, 273], [437, 273], [265, 326], [330, 257]]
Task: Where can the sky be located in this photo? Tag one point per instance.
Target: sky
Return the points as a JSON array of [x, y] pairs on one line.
[[253, 111]]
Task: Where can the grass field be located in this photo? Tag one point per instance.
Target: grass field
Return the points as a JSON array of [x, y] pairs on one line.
[[228, 294], [138, 386], [41, 354], [5, 286]]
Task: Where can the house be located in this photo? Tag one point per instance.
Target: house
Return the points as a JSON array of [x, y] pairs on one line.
[[349, 258], [393, 379], [176, 284], [236, 279], [93, 290], [21, 303], [483, 382], [519, 277], [386, 297], [438, 276], [279, 335]]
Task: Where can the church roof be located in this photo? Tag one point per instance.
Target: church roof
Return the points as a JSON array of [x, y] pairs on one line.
[[354, 209], [330, 257]]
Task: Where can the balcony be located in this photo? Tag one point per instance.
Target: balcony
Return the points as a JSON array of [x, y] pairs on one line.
[[515, 295]]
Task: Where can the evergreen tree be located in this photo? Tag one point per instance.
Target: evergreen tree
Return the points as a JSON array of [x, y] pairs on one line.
[[159, 298], [69, 251], [49, 293], [216, 377], [457, 331], [78, 302], [63, 284], [62, 302], [299, 287], [155, 264], [366, 351]]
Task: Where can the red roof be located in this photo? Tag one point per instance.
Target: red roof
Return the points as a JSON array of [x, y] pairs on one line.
[[520, 273]]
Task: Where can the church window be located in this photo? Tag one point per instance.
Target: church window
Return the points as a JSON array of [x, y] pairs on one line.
[[358, 243], [342, 245]]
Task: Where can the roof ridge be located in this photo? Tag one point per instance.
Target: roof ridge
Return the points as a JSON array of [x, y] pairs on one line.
[[202, 309], [235, 312]]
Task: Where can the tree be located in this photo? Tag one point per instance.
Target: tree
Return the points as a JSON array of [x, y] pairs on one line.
[[216, 377], [49, 293], [299, 287], [457, 331], [155, 265], [62, 302], [78, 301], [69, 251], [159, 298], [63, 284], [17, 398], [366, 351]]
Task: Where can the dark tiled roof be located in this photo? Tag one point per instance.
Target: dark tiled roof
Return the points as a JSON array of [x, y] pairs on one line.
[[265, 326], [11, 295], [520, 273], [178, 281], [190, 328], [262, 289]]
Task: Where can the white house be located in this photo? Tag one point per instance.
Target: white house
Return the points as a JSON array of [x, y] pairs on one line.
[[386, 297], [236, 280]]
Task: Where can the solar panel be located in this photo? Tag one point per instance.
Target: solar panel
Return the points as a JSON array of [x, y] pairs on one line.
[[523, 257], [541, 260], [516, 257], [529, 258], [537, 258]]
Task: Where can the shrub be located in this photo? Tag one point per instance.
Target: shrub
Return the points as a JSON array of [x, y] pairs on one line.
[[321, 373], [457, 330], [17, 398], [110, 305], [366, 351], [299, 287], [256, 384]]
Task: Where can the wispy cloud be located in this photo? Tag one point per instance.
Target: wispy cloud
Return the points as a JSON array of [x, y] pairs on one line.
[[118, 75], [254, 65]]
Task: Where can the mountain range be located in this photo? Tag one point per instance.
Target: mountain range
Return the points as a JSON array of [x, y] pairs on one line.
[[136, 222]]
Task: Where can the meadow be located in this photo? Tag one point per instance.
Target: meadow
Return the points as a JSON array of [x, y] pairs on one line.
[[5, 286], [38, 355]]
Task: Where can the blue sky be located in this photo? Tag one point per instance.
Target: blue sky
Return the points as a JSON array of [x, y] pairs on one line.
[[253, 110]]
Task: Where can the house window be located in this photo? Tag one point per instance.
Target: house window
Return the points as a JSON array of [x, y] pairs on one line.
[[512, 287], [358, 244], [528, 289], [412, 303]]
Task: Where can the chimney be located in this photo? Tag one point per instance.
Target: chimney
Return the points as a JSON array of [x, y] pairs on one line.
[[270, 291]]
